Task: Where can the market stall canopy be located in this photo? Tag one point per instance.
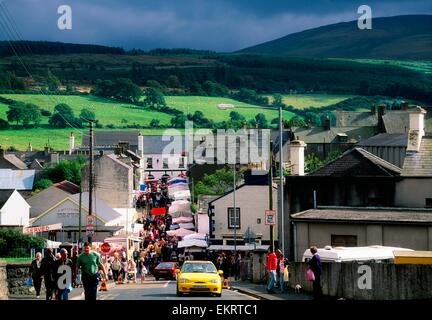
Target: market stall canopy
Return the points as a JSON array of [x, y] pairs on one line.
[[192, 243], [189, 226], [179, 205], [179, 232], [182, 220], [176, 181], [238, 248], [181, 195], [174, 227], [196, 236]]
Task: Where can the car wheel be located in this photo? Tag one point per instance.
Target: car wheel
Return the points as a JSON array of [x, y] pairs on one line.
[[218, 295], [179, 294]]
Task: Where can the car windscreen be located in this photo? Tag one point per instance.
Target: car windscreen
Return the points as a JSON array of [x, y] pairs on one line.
[[199, 268], [165, 266]]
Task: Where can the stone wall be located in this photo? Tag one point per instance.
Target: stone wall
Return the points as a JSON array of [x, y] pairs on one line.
[[387, 281], [16, 277], [3, 281]]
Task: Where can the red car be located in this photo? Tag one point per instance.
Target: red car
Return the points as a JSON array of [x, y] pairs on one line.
[[166, 270]]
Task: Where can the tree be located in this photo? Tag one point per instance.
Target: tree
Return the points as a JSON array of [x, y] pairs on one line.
[[4, 124], [155, 123], [154, 84], [235, 116], [13, 243], [173, 82], [178, 121], [278, 100], [65, 170], [295, 121], [63, 116], [217, 183], [154, 98], [125, 89], [52, 81], [261, 121], [312, 163], [24, 113], [42, 184], [87, 115], [196, 89]]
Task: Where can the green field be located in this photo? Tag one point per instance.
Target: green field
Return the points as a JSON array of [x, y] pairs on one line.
[[58, 138], [420, 66], [301, 101], [209, 106], [106, 111]]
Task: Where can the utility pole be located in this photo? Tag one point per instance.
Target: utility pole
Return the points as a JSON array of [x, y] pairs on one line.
[[90, 212], [270, 179], [281, 183], [79, 214], [235, 212]]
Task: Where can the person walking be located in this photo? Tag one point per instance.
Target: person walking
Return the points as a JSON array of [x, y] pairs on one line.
[[36, 273], [48, 271], [115, 267], [62, 294], [316, 267], [271, 269], [90, 263], [281, 267]]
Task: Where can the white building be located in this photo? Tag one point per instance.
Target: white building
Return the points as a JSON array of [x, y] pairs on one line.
[[14, 210]]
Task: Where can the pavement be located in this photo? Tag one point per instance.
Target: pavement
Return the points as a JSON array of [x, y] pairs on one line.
[[259, 291]]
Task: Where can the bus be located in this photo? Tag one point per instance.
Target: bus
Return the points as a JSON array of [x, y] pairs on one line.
[[373, 253], [413, 257]]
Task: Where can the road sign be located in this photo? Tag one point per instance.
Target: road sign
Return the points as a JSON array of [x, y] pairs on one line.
[[91, 220], [105, 247], [89, 233], [270, 217]]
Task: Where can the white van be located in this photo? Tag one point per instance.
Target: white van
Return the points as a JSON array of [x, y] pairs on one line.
[[352, 254]]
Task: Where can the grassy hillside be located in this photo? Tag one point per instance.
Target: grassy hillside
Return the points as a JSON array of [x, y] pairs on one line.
[[106, 111], [209, 106], [301, 101], [399, 37], [57, 138], [420, 66]]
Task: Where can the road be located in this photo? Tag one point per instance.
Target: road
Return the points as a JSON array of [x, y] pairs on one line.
[[159, 290]]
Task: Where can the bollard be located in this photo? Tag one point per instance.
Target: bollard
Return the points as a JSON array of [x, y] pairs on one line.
[[103, 286]]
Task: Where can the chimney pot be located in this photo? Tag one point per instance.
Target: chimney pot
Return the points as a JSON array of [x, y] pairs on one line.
[[327, 123], [297, 157]]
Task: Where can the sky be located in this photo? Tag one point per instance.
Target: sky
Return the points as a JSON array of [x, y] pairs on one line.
[[218, 25]]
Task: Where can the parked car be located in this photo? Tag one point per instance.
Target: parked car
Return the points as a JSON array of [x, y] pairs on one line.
[[199, 276], [165, 270]]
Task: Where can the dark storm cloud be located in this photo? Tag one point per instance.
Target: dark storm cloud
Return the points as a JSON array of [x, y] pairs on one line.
[[220, 25]]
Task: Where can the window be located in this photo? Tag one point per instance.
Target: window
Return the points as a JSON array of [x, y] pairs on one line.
[[181, 162], [259, 221], [233, 221], [343, 240], [69, 235], [428, 202], [149, 163], [165, 163]]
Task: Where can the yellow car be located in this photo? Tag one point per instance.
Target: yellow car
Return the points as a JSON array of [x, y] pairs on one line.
[[199, 276]]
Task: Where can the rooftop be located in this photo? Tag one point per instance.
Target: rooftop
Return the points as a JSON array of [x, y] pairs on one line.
[[359, 163], [419, 163], [4, 196], [16, 179], [366, 214], [386, 140], [15, 161]]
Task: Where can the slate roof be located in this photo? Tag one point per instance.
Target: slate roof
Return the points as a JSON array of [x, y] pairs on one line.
[[113, 157], [102, 209], [111, 138], [356, 119], [16, 179], [320, 135], [15, 161], [353, 214], [396, 121], [419, 163], [357, 162], [4, 196], [386, 140]]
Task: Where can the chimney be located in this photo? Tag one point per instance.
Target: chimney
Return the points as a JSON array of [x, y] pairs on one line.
[[46, 150], [2, 153], [373, 109], [416, 128], [297, 157], [29, 148], [140, 145], [381, 112], [71, 143], [327, 123], [54, 158]]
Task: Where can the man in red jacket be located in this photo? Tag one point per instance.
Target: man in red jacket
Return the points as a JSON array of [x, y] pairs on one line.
[[271, 268]]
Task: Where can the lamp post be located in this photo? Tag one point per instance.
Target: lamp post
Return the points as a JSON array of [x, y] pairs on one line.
[[235, 212]]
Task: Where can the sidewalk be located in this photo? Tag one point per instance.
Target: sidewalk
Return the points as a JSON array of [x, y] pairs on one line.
[[259, 291]]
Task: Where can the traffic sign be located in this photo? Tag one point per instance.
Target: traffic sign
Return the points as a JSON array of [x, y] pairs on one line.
[[270, 217], [89, 233], [105, 247]]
